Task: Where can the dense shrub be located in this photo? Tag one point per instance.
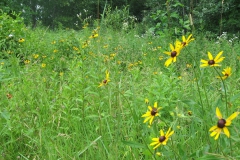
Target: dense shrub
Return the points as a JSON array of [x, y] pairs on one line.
[[11, 33]]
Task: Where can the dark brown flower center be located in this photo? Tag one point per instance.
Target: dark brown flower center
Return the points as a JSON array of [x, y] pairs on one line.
[[104, 81], [173, 54], [162, 138], [221, 123], [154, 111], [226, 75], [211, 62], [189, 113]]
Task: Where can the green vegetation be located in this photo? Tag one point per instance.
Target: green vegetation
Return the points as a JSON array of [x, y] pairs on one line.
[[58, 101], [160, 16]]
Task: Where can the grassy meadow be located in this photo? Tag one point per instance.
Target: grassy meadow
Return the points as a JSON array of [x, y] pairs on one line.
[[81, 95]]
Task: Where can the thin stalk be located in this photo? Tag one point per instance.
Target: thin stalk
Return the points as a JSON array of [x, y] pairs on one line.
[[149, 149], [175, 151], [195, 75], [225, 92], [205, 92], [224, 87]]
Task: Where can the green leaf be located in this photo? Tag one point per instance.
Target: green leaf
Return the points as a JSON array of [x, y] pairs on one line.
[[210, 157], [189, 102], [233, 98], [134, 144]]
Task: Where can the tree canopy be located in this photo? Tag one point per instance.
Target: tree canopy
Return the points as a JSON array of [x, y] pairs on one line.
[[213, 15]]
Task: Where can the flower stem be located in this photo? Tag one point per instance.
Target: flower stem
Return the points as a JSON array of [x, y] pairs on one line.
[[149, 149], [224, 88]]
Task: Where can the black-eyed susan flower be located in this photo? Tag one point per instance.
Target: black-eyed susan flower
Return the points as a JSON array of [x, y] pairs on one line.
[[222, 124], [26, 61], [94, 34], [75, 48], [189, 113], [151, 113], [162, 139], [213, 62], [226, 72], [185, 41], [85, 44], [43, 65], [106, 80], [35, 56], [175, 51], [158, 153], [21, 40], [9, 96], [55, 51], [85, 25]]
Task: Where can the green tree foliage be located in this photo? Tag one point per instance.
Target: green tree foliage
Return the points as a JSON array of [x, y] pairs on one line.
[[211, 15], [207, 15], [217, 16]]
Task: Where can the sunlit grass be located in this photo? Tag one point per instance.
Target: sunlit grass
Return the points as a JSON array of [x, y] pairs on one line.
[[53, 107]]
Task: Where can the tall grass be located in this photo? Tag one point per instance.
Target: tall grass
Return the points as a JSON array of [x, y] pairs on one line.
[[52, 107]]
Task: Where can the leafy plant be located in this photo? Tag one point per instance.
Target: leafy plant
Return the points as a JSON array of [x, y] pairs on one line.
[[118, 19], [12, 32]]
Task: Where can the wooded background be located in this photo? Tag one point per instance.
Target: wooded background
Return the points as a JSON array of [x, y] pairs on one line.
[[216, 16]]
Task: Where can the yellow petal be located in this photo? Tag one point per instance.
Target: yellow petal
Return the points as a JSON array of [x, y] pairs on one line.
[[164, 142], [155, 139], [147, 114], [189, 37], [213, 134], [218, 56], [210, 56], [204, 61], [218, 113], [168, 53], [169, 129], [151, 120], [157, 146], [215, 65], [174, 59], [146, 119], [150, 108], [161, 133], [204, 65], [183, 39], [217, 135], [153, 143], [226, 131], [219, 60], [213, 128], [170, 134], [234, 115], [168, 62], [155, 105]]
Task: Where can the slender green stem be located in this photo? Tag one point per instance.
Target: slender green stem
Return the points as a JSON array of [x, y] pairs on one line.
[[175, 151], [224, 88], [204, 88], [226, 101], [205, 93], [149, 148]]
